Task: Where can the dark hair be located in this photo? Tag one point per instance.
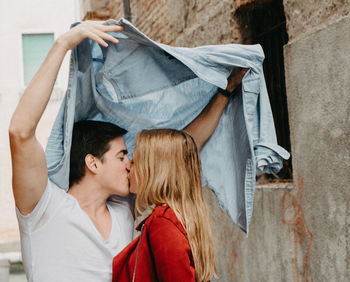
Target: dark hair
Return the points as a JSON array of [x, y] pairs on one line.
[[90, 137]]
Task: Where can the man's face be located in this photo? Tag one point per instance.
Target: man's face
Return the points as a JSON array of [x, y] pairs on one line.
[[115, 167]]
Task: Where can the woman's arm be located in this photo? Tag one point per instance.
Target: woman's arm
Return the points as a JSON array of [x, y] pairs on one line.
[[203, 126]]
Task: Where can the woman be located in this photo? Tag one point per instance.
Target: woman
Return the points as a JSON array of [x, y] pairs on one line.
[[175, 242]]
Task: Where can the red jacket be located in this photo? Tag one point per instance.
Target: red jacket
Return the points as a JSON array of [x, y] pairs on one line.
[[164, 253]]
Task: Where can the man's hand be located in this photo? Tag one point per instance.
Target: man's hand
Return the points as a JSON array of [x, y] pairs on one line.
[[235, 78], [94, 30]]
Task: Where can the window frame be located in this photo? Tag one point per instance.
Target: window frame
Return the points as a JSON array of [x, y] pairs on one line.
[[21, 55]]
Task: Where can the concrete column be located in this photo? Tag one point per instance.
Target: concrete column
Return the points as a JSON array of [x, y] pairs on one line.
[[4, 268]]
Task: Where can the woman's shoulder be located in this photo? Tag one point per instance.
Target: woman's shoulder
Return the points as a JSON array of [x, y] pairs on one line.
[[164, 211], [163, 214]]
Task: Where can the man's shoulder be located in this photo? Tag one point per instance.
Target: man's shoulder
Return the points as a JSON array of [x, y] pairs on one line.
[[50, 202], [57, 193]]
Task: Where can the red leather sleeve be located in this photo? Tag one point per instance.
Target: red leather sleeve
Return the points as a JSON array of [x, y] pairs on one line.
[[171, 251]]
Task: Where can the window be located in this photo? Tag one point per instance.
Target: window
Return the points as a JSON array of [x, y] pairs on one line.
[[35, 49]]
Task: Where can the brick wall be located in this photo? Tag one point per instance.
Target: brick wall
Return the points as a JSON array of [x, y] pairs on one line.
[[153, 18], [182, 23], [199, 22]]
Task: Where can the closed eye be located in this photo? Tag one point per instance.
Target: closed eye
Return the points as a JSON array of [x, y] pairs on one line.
[[121, 154]]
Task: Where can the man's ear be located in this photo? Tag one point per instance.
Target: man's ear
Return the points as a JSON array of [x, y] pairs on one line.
[[91, 163]]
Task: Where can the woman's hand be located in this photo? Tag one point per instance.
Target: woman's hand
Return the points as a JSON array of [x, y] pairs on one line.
[[94, 30], [235, 78]]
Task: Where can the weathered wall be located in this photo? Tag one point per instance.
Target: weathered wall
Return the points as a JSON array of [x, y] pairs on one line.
[[318, 86], [305, 16], [300, 234]]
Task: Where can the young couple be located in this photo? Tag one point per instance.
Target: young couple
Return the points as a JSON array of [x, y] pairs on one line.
[[85, 233]]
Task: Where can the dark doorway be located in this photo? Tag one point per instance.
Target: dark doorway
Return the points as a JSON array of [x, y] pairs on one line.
[[264, 22]]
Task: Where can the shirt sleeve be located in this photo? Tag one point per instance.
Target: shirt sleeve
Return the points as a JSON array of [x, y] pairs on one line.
[[171, 251], [43, 210]]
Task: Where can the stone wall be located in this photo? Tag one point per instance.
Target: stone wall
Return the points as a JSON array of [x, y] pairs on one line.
[[304, 17], [299, 234]]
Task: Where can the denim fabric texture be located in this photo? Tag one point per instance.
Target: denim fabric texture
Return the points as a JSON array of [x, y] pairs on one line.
[[141, 84]]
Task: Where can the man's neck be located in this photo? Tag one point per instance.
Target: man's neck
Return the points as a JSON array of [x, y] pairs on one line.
[[90, 196], [92, 200]]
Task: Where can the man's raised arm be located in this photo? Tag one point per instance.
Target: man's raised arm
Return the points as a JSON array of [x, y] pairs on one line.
[[203, 126], [29, 172]]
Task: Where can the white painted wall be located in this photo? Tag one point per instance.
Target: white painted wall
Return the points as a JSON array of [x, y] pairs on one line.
[[17, 17]]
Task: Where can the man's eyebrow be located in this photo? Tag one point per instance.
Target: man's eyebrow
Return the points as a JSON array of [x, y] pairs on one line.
[[124, 152]]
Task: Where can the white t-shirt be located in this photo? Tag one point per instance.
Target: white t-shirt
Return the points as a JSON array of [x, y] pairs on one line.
[[60, 242]]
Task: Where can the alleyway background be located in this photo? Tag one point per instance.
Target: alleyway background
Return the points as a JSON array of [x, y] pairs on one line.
[[27, 31], [300, 229]]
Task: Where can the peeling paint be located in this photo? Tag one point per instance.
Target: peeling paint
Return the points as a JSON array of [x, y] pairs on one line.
[[299, 232]]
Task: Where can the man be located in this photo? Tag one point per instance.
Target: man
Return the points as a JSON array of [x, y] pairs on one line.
[[73, 236]]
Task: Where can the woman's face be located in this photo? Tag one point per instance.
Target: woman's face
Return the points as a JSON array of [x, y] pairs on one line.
[[132, 180]]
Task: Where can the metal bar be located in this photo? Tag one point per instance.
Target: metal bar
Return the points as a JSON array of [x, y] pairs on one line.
[[127, 10]]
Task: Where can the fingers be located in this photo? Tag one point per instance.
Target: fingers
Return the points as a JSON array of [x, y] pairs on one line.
[[115, 28], [105, 28], [239, 72], [236, 77], [90, 29], [98, 32], [97, 38], [244, 71], [106, 36]]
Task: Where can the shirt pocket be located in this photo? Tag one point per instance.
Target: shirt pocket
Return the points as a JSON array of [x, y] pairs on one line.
[[251, 90], [252, 85]]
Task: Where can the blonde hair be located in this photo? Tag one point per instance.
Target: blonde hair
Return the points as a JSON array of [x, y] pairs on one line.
[[168, 171]]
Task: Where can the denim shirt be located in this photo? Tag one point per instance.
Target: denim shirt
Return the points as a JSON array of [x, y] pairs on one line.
[[141, 84]]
